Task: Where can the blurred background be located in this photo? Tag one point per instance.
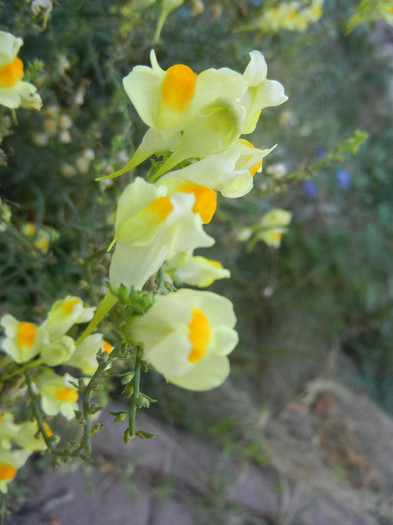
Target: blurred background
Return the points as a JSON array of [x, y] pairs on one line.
[[318, 306]]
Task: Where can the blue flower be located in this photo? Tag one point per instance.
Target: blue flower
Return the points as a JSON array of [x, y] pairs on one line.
[[320, 152], [343, 178], [310, 188]]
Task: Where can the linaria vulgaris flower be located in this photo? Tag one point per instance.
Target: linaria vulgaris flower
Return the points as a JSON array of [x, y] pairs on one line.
[[14, 92], [10, 462], [194, 116], [186, 336], [196, 270], [152, 227], [24, 340]]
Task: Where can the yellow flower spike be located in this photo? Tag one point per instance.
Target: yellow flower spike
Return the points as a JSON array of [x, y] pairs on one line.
[[13, 91], [186, 336]]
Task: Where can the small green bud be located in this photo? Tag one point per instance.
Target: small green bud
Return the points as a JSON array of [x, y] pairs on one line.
[[127, 436], [96, 428], [141, 434], [127, 378], [119, 416]]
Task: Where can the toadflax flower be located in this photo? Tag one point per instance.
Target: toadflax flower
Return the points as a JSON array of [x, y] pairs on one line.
[[272, 226], [14, 92], [10, 462], [231, 172], [23, 340], [186, 336], [194, 116], [64, 314], [58, 395], [196, 270], [85, 353], [150, 228]]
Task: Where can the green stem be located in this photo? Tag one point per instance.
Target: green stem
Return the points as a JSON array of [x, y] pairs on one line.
[[38, 416], [135, 395], [107, 303], [91, 386], [3, 508], [22, 369]]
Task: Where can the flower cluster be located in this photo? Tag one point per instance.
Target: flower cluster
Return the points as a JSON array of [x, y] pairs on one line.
[[44, 347], [14, 92], [196, 122], [295, 15], [269, 229]]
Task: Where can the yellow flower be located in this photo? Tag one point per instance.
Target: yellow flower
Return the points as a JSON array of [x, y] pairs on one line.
[[231, 173], [23, 340], [85, 353], [10, 462], [150, 228], [196, 270], [58, 351], [64, 314], [186, 336], [13, 91], [41, 236], [58, 395], [194, 116], [8, 430], [30, 438], [272, 226]]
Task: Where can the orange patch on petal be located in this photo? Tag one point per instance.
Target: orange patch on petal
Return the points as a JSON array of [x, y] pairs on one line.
[[256, 166], [205, 199], [7, 472], [68, 306], [178, 87], [199, 335], [10, 74], [107, 347], [48, 430], [214, 263], [66, 394], [159, 209], [26, 333]]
